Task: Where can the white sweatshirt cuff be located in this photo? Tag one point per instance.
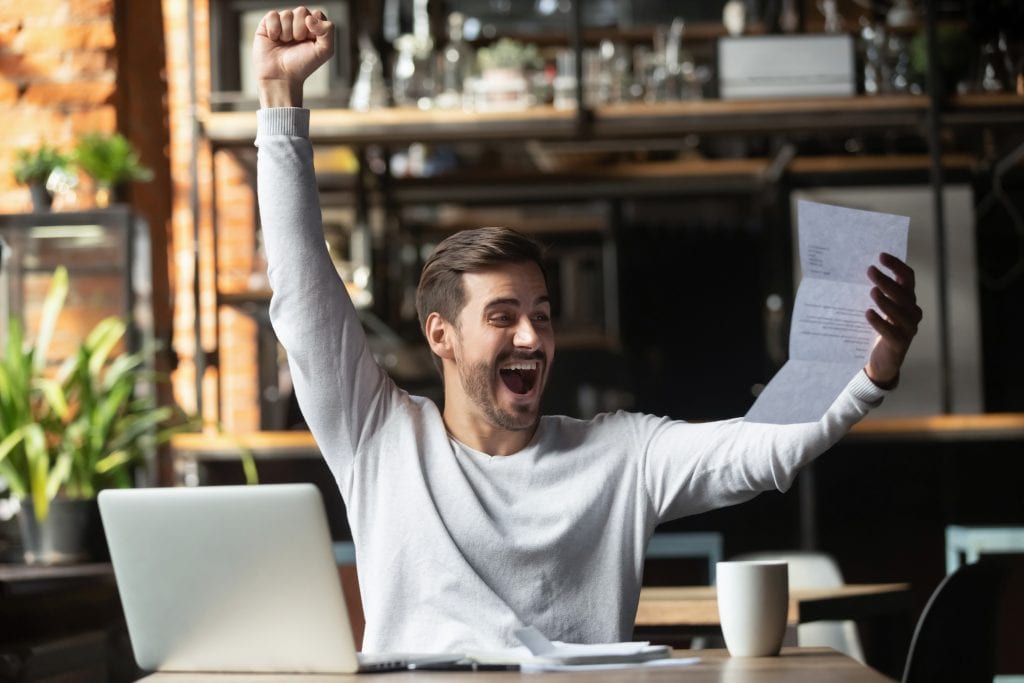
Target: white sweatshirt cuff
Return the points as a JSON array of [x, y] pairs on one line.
[[291, 121], [866, 390]]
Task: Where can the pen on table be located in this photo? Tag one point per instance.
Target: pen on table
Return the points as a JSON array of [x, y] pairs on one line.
[[464, 666]]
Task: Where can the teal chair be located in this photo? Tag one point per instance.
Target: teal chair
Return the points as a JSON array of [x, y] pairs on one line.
[[690, 544]]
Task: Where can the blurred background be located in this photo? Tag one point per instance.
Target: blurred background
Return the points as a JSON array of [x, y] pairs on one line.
[[658, 149]]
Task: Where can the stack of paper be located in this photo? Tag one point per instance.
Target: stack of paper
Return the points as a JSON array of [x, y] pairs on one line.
[[540, 654]]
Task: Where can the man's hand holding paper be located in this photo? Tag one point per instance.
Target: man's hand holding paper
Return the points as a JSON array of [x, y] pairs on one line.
[[895, 321], [849, 314]]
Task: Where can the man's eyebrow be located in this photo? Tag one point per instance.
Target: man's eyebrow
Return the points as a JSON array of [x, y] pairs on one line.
[[507, 301], [512, 301]]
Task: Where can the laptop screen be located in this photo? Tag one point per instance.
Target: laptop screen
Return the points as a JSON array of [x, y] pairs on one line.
[[232, 578]]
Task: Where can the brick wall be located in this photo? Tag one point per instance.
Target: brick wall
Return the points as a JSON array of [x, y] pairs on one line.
[[223, 361], [236, 250], [57, 80], [64, 73], [58, 75]]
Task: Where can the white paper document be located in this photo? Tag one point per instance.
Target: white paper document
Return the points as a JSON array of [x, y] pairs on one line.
[[665, 663], [829, 337], [539, 654]]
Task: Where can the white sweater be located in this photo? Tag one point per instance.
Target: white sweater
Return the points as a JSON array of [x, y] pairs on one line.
[[456, 549]]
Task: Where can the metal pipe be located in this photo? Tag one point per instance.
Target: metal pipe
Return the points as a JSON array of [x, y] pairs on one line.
[[576, 42], [807, 491], [935, 96]]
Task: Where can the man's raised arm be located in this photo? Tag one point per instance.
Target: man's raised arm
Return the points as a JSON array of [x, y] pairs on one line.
[[336, 379]]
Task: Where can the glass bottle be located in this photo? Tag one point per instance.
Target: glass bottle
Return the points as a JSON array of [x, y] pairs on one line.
[[412, 82], [369, 90], [898, 59], [994, 69], [873, 41], [833, 20], [666, 77], [457, 59]]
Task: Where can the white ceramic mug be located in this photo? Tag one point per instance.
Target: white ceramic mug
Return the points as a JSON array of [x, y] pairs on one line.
[[753, 603]]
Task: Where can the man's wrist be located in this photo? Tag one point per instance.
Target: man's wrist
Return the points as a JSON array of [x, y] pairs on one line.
[[878, 382], [279, 93]]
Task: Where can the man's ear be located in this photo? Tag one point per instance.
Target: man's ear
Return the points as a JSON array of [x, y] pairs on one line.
[[440, 333]]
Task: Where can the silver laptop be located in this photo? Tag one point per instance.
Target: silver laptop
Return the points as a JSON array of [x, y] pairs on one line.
[[233, 578]]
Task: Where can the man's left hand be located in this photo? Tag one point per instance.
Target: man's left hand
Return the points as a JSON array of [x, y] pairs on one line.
[[896, 319]]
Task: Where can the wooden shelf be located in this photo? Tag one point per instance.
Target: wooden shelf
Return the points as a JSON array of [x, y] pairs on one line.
[[997, 109], [396, 125], [761, 116], [405, 125], [646, 179], [585, 182], [982, 427], [873, 163], [241, 298], [220, 446]]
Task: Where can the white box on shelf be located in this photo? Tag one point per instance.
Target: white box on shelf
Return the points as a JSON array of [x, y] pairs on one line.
[[786, 66]]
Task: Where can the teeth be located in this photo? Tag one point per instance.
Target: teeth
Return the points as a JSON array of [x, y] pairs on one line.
[[521, 365]]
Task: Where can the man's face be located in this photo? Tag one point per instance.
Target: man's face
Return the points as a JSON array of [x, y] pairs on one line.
[[505, 344]]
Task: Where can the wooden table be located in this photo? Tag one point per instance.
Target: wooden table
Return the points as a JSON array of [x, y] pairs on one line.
[[696, 607], [794, 665]]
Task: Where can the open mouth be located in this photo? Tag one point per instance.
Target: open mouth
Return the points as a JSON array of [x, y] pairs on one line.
[[520, 376]]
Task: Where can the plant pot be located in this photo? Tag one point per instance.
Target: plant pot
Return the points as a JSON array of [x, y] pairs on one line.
[[42, 199], [108, 195], [72, 532], [502, 89]]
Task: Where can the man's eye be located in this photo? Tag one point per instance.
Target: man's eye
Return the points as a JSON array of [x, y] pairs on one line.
[[501, 319], [542, 318]]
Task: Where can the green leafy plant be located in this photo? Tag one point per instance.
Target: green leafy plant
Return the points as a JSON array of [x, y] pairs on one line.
[[35, 166], [110, 159], [954, 52], [507, 54], [85, 426]]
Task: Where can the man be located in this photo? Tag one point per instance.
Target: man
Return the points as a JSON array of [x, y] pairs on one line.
[[471, 523]]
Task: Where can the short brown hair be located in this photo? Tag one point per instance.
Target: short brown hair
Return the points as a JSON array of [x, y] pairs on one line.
[[468, 251]]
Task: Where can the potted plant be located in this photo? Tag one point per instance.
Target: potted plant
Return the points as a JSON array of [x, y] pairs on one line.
[[502, 83], [68, 433], [111, 161], [33, 168]]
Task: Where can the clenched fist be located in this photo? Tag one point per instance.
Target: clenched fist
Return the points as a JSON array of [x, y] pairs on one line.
[[288, 46]]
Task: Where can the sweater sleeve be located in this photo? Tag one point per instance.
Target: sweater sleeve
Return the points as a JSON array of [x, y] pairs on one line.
[[339, 385], [691, 468]]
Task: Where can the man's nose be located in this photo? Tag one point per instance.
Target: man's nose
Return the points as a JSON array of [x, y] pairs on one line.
[[526, 336]]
